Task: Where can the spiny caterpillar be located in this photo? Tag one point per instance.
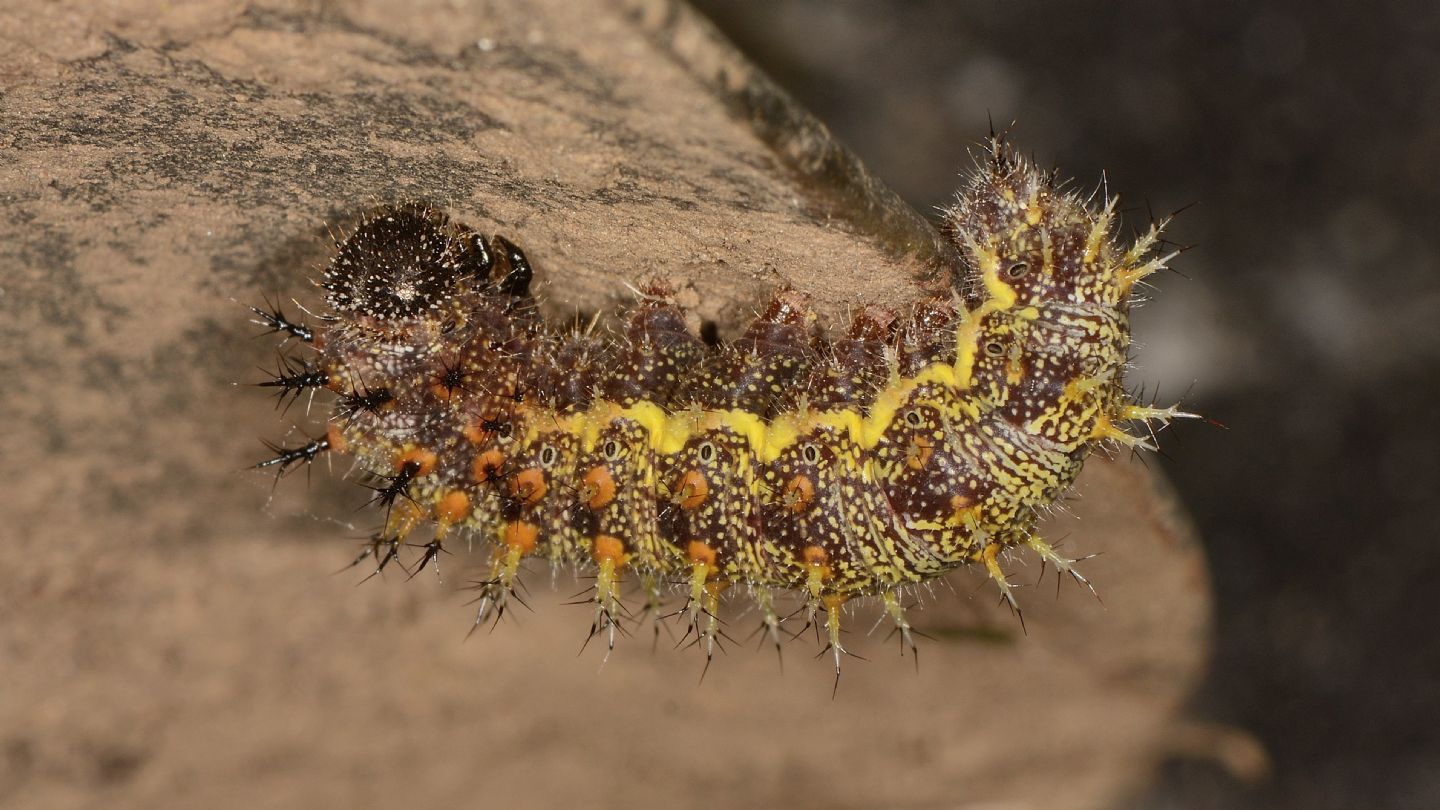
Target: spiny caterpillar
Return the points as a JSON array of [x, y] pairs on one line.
[[780, 463]]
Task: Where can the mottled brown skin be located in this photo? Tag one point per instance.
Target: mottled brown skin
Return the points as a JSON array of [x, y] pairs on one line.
[[914, 443], [926, 337], [656, 357], [858, 365], [758, 372]]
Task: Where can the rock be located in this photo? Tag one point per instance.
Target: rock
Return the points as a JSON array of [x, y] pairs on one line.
[[171, 631]]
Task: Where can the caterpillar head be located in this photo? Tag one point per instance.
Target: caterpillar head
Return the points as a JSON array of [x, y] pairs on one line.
[[399, 264]]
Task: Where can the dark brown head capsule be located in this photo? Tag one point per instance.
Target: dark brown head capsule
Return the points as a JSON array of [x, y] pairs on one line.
[[398, 264]]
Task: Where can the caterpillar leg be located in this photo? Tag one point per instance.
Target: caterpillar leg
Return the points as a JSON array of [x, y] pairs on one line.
[[430, 555], [400, 521], [1105, 427], [992, 567], [517, 539], [610, 555], [373, 548], [274, 319], [702, 609], [654, 604], [816, 574], [1064, 565], [391, 547], [287, 459], [1160, 417], [1107, 430], [833, 604], [1144, 413], [293, 379], [896, 612], [451, 508], [769, 621]]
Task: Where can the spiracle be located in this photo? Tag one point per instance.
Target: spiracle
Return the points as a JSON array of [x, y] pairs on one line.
[[780, 463]]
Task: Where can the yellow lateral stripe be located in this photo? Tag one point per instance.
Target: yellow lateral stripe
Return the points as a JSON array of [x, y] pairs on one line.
[[653, 418], [1002, 295], [746, 424], [670, 431], [882, 412]]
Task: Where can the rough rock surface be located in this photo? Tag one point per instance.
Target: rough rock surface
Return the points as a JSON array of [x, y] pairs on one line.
[[170, 632]]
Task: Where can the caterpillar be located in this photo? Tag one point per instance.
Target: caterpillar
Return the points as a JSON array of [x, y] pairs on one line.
[[780, 463]]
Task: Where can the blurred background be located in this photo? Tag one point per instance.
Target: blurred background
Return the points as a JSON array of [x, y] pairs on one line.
[[1305, 138]]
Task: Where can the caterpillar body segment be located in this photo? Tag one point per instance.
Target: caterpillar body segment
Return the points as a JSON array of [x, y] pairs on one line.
[[914, 443]]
